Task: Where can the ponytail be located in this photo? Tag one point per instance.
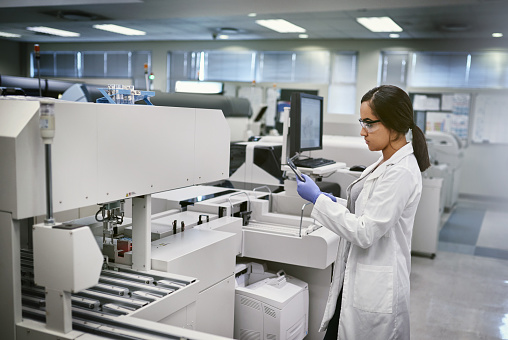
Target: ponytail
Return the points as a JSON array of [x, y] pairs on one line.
[[420, 148]]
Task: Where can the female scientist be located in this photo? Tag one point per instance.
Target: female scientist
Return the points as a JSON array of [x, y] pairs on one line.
[[369, 294]]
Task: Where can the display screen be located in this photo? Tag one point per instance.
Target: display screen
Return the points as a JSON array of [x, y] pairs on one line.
[[306, 123], [310, 120]]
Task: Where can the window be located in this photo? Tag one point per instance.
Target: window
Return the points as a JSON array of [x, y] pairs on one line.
[[229, 66], [55, 64], [338, 69], [445, 69], [276, 67], [94, 64], [394, 68], [117, 65], [312, 67], [342, 88], [287, 66], [246, 66], [66, 65], [488, 70], [439, 69], [46, 65], [182, 65]]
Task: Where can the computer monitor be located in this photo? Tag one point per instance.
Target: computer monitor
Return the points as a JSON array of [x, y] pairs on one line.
[[306, 123]]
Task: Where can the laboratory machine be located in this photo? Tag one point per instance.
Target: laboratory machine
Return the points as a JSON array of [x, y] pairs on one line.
[[276, 228], [84, 278], [446, 153]]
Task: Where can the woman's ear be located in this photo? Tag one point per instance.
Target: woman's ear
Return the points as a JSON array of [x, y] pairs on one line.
[[395, 135]]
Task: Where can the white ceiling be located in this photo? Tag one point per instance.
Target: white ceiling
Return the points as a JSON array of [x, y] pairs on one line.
[[200, 19]]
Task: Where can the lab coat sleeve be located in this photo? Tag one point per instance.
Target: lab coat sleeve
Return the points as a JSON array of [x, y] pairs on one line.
[[339, 200], [382, 210]]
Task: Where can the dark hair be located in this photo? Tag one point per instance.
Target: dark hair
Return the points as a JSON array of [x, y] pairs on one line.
[[393, 107]]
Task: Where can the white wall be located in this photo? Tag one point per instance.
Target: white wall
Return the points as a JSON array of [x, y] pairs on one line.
[[485, 170], [477, 178]]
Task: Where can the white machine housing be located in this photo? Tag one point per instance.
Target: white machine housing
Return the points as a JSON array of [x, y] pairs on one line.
[[104, 152], [446, 148], [270, 305], [77, 249]]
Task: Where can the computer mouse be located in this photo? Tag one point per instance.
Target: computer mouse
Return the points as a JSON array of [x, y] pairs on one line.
[[357, 168]]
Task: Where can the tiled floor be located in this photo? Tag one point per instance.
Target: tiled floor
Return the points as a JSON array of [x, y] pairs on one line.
[[463, 292], [476, 228]]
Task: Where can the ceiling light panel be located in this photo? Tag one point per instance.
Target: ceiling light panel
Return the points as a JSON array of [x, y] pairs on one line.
[[281, 26], [119, 29], [9, 35], [53, 31], [379, 24]]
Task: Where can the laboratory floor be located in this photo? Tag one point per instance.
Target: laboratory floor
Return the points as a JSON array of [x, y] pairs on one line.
[[463, 292]]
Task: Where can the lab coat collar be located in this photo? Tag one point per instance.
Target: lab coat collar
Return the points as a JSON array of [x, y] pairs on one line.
[[404, 151], [396, 157]]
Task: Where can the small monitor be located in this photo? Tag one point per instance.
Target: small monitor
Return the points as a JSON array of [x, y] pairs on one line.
[[306, 123]]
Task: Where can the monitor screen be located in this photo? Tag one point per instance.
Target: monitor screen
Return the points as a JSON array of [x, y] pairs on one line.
[[306, 123]]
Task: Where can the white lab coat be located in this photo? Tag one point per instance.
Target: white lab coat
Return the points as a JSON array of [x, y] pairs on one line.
[[375, 267]]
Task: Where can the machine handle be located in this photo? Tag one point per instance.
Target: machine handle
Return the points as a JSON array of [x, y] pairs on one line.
[[301, 217], [269, 197], [238, 193]]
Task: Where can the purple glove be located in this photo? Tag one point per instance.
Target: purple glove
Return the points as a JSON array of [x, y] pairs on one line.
[[309, 190]]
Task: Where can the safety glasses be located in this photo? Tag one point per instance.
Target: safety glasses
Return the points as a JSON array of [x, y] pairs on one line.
[[369, 125]]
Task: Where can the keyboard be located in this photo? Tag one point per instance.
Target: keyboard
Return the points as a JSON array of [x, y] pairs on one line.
[[313, 162]]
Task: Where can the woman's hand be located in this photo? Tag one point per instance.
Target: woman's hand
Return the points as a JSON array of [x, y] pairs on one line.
[[309, 190]]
